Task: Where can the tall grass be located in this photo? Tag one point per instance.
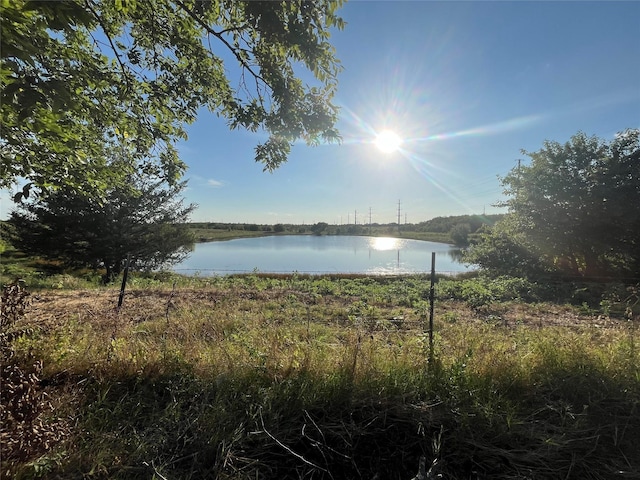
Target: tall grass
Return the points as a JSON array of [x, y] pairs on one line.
[[304, 377]]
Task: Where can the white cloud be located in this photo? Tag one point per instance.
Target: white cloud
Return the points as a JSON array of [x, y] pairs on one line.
[[215, 183]]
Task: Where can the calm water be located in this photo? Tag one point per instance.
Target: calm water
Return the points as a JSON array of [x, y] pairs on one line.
[[320, 254]]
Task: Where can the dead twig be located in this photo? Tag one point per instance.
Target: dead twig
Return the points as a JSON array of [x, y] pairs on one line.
[[289, 450]]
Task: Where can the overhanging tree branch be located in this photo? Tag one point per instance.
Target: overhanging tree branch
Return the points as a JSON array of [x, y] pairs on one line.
[[219, 36], [115, 51]]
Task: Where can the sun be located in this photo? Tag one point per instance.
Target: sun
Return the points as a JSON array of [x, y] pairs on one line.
[[388, 141]]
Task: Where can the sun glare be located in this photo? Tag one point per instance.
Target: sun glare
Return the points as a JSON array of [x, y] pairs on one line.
[[388, 141], [385, 243]]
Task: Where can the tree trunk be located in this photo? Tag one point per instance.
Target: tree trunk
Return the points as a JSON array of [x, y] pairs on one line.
[[108, 276], [592, 266], [113, 269]]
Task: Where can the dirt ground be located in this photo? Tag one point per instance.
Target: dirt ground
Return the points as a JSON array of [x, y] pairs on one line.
[[51, 307]]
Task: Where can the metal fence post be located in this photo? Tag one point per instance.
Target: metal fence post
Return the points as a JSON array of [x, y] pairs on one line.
[[431, 301], [124, 282]]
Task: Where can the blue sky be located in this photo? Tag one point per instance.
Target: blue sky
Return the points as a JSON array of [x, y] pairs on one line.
[[467, 85]]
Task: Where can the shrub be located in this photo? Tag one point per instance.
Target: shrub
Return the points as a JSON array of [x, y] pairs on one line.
[[26, 431], [482, 290]]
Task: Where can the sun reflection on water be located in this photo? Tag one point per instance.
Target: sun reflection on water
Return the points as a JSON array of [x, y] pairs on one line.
[[386, 243]]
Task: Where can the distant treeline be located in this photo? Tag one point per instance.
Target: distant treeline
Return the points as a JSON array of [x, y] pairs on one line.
[[459, 229], [249, 227], [437, 224]]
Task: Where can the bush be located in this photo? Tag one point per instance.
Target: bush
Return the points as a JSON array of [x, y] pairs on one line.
[[483, 290], [460, 234], [25, 410]]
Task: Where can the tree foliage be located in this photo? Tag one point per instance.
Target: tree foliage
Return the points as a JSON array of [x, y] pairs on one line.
[[80, 77], [446, 224], [142, 218], [319, 227], [574, 209], [460, 234], [505, 251]]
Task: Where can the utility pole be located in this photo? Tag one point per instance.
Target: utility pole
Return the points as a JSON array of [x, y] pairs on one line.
[[398, 217], [369, 220], [355, 217], [519, 178]]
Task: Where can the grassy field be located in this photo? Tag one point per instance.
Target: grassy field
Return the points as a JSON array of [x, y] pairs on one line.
[[426, 236], [216, 235], [315, 377], [220, 234]]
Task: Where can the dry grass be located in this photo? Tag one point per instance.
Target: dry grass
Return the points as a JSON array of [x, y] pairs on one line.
[[314, 378]]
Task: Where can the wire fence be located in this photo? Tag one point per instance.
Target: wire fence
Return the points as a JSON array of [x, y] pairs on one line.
[[374, 273], [605, 300]]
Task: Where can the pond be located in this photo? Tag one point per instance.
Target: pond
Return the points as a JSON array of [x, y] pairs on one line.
[[320, 255]]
